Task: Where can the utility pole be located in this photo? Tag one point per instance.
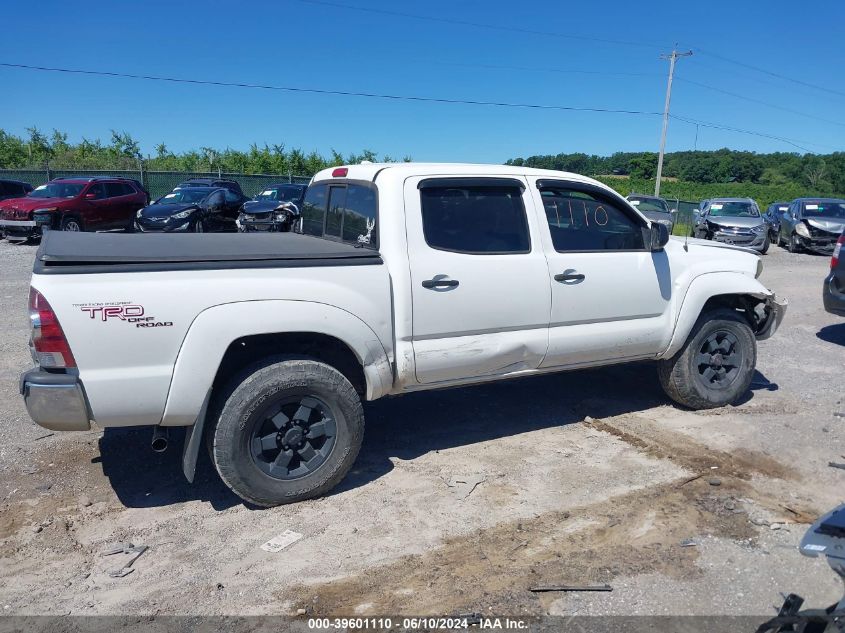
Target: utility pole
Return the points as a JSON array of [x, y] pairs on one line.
[[672, 58]]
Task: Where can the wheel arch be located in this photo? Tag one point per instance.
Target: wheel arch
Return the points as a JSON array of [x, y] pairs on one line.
[[734, 291], [226, 338]]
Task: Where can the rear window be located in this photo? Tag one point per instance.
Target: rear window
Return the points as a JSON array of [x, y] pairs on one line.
[[341, 211], [475, 219]]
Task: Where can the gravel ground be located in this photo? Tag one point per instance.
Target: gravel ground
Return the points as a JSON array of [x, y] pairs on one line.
[[577, 478]]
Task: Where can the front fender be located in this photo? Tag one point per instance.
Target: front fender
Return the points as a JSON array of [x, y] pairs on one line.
[[216, 328], [714, 284]]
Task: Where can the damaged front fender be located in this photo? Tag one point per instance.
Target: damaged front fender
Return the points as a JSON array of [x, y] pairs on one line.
[[774, 310]]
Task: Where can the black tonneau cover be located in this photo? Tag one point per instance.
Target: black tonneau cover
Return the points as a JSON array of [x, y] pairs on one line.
[[66, 252]]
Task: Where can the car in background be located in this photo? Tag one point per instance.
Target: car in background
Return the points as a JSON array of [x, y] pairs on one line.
[[736, 221], [231, 185], [276, 209], [191, 209], [773, 215], [812, 224], [654, 208], [833, 294], [73, 204], [14, 189]]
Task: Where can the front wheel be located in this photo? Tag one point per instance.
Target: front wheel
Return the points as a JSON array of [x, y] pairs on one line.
[[72, 224], [793, 246], [766, 244], [716, 365], [199, 227], [290, 429]]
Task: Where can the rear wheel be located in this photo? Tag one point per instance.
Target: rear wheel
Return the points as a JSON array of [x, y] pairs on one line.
[[716, 365], [73, 224], [290, 429]]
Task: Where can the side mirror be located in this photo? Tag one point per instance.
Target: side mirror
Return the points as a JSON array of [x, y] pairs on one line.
[[90, 196], [659, 236]]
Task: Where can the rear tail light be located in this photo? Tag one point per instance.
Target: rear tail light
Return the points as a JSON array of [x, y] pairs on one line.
[[340, 172], [837, 251], [48, 339]]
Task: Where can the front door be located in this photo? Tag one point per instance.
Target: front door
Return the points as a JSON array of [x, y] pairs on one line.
[[479, 279], [610, 294]]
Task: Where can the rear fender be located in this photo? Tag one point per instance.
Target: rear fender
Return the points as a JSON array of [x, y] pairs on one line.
[[216, 328]]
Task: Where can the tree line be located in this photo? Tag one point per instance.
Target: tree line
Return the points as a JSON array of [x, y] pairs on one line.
[[812, 172], [122, 151]]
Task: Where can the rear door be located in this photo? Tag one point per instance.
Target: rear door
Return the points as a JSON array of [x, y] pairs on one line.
[[610, 294], [121, 204], [480, 285], [232, 204]]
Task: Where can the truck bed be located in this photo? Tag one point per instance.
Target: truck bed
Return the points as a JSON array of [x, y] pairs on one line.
[[79, 253]]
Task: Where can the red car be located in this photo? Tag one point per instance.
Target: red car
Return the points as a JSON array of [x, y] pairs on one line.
[[73, 204]]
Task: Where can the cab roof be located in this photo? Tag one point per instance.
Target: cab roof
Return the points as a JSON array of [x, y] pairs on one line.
[[372, 171]]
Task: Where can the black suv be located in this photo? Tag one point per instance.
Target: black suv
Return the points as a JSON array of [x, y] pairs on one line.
[[231, 185], [14, 189]]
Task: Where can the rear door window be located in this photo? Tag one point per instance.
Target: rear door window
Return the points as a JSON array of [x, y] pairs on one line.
[[477, 219], [115, 189]]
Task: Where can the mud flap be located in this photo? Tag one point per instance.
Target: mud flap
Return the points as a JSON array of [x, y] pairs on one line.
[[193, 441]]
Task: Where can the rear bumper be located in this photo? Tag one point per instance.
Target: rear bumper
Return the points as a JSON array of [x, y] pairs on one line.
[[55, 401], [776, 310], [833, 295]]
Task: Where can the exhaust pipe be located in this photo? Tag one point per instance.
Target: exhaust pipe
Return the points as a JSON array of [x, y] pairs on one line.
[[161, 436]]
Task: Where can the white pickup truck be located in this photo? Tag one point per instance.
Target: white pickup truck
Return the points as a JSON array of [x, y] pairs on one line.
[[407, 277]]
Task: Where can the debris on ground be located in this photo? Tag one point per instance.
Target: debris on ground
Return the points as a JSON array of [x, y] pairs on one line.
[[465, 485], [549, 588], [715, 481], [280, 542], [836, 465], [125, 548], [688, 543]]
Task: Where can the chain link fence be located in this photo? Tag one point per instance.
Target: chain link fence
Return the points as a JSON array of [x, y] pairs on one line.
[[157, 183]]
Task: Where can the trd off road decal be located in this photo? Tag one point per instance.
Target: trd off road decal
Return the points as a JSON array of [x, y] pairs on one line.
[[125, 311]]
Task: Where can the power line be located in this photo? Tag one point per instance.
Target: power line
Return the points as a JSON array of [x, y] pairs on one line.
[[780, 76], [765, 103], [480, 25], [728, 128], [344, 93]]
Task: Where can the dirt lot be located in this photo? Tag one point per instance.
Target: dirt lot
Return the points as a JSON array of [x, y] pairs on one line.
[[577, 478]]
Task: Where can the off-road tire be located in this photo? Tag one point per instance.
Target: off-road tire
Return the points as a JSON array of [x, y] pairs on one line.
[[239, 416], [680, 376]]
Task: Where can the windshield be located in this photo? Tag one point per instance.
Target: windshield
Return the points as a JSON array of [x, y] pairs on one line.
[[182, 196], [650, 204], [734, 209], [826, 210], [57, 190], [282, 194]]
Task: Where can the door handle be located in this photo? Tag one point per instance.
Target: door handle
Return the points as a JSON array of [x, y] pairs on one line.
[[567, 276], [440, 283]]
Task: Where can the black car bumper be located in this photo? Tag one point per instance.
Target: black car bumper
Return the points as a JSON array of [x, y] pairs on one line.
[[833, 293], [169, 225], [263, 222]]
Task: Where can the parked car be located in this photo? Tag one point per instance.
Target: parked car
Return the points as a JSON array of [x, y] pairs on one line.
[[736, 221], [14, 189], [773, 215], [653, 208], [231, 185], [812, 224], [277, 209], [833, 294], [408, 277], [73, 204], [193, 209]]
